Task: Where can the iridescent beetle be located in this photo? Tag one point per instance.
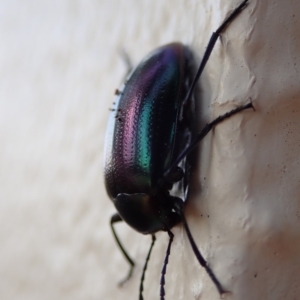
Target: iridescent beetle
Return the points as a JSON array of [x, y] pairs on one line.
[[148, 140]]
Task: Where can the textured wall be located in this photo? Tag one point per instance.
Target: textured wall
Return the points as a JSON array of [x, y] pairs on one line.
[[59, 67]]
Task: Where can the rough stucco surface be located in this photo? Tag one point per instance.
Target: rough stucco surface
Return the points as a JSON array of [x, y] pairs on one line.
[[59, 67]]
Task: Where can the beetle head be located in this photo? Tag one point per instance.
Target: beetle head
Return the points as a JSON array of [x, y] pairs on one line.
[[145, 213]]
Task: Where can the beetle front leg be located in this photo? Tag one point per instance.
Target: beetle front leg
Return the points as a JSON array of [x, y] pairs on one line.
[[214, 37], [114, 219]]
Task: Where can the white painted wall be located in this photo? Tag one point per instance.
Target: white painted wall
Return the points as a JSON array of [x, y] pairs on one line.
[[59, 67]]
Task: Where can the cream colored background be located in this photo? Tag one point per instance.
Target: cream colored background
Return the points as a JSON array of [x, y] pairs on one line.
[[59, 67]]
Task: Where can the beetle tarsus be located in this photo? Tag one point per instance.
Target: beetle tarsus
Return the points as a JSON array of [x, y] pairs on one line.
[[230, 18], [251, 104]]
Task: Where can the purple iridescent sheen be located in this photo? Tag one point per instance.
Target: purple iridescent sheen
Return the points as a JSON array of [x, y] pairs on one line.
[[141, 133]]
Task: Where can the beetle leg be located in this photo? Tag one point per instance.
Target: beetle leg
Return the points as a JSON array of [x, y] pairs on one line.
[[145, 268], [127, 61], [179, 208], [114, 219], [212, 43], [207, 128], [164, 269], [205, 58]]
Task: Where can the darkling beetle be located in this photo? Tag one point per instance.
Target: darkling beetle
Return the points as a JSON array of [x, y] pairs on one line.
[[147, 143]]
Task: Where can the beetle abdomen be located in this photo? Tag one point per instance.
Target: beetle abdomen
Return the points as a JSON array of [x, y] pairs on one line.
[[142, 131]]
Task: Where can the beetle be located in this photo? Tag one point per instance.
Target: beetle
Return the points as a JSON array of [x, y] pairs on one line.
[[148, 143]]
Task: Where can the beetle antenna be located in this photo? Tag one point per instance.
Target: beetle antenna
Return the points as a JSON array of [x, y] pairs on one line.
[[145, 268], [114, 219], [179, 208], [164, 269]]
